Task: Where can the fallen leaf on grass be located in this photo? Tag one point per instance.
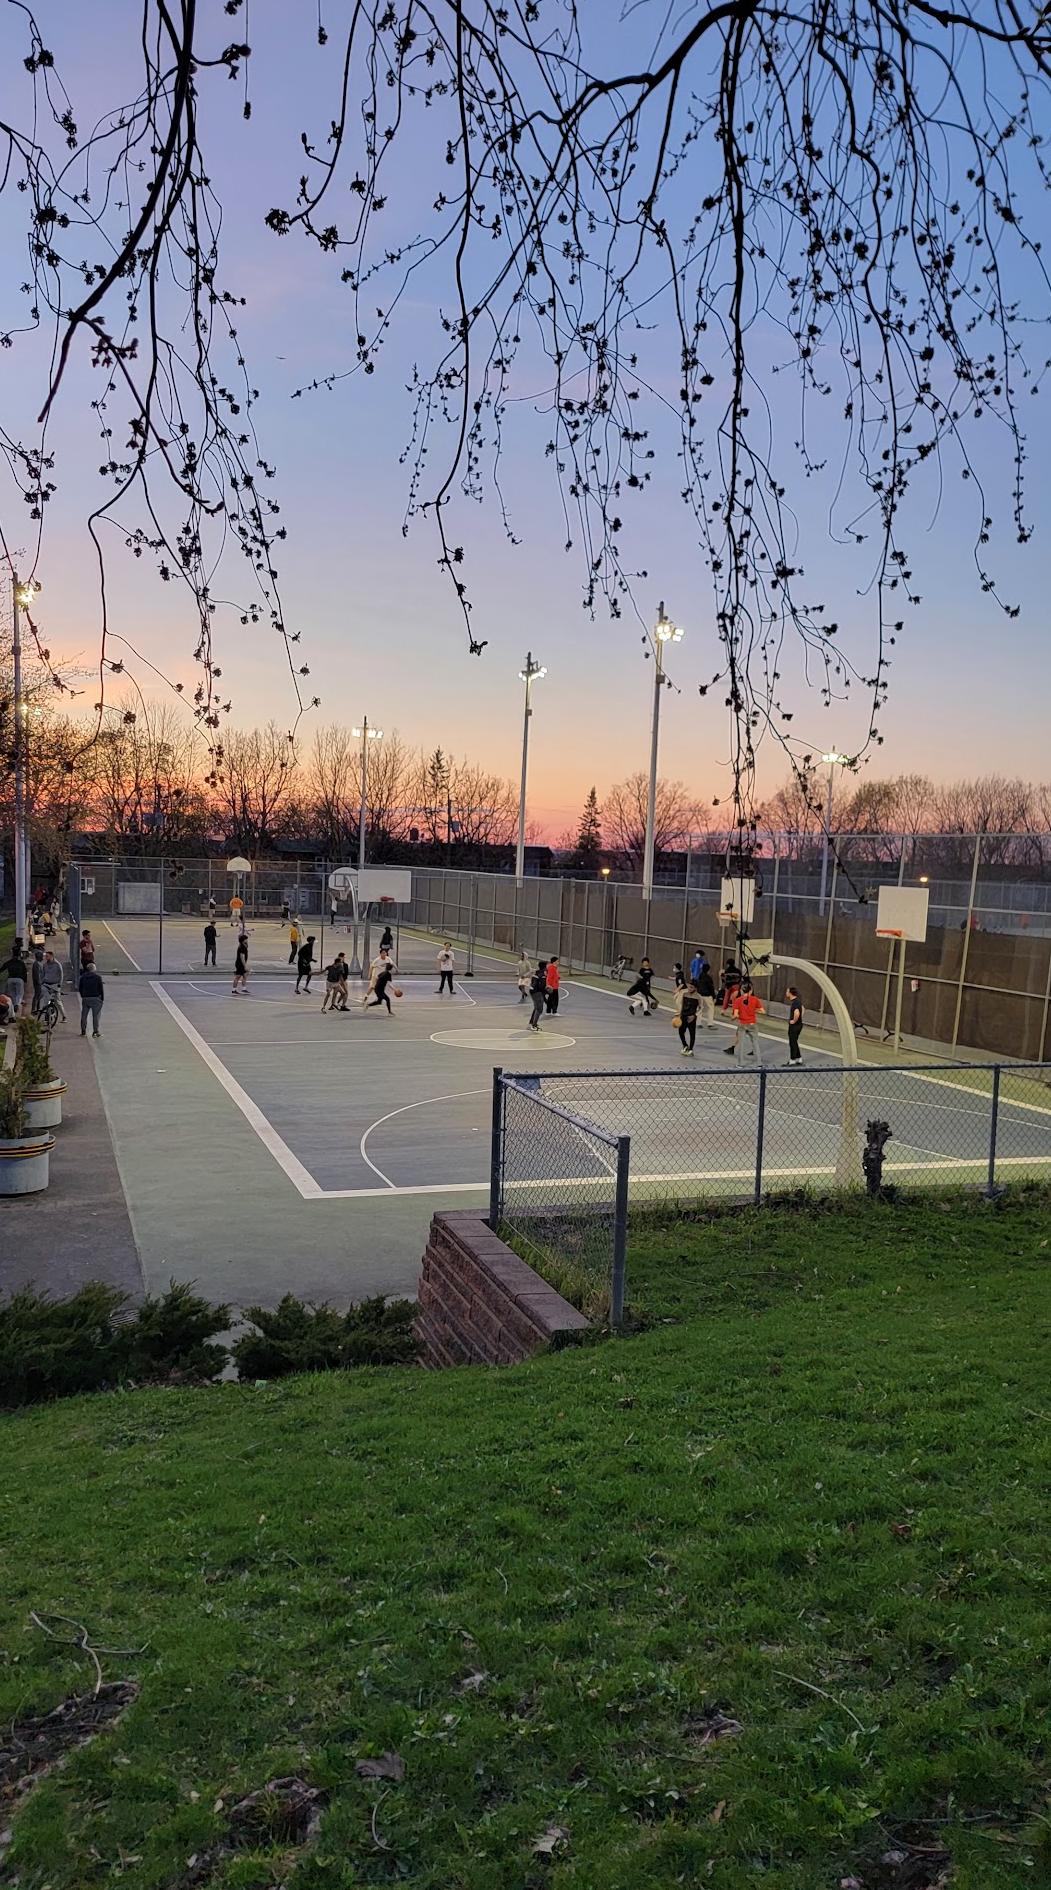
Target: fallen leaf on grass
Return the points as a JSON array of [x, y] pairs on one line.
[[389, 1765], [473, 1682], [715, 1816], [901, 1529], [551, 1840]]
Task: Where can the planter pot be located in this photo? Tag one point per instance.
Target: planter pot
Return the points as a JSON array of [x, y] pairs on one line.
[[24, 1163], [43, 1104]]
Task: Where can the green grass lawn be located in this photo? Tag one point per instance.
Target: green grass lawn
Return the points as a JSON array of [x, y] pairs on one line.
[[757, 1598]]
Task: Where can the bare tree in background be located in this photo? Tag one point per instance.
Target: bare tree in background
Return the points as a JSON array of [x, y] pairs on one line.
[[254, 797], [624, 817], [146, 779]]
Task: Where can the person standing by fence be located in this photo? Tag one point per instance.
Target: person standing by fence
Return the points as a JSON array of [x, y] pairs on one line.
[[293, 942], [211, 939], [237, 906], [523, 976], [686, 1004], [747, 1011], [795, 1027], [92, 998]]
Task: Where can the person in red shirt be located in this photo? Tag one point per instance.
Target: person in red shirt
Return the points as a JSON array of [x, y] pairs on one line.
[[553, 982], [747, 1011]]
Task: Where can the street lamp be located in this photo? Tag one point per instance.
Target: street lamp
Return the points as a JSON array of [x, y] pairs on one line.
[[365, 734], [664, 632], [527, 675], [834, 761], [22, 596]]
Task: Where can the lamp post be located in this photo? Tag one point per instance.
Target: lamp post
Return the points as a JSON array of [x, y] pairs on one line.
[[664, 632], [527, 675], [365, 734], [21, 597], [834, 761]]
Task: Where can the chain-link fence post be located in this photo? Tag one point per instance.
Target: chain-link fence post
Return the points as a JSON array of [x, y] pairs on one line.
[[760, 1126], [620, 1234], [994, 1117], [496, 1153]]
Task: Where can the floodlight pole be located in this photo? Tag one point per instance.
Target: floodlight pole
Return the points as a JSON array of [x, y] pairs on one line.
[[367, 734], [833, 760], [665, 632], [527, 675]]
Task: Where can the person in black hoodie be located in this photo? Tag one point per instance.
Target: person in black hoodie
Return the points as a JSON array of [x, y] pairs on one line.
[[304, 961], [92, 997], [538, 993], [16, 973], [705, 984], [210, 939]]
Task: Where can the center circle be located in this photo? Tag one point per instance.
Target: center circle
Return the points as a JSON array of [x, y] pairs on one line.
[[500, 1039]]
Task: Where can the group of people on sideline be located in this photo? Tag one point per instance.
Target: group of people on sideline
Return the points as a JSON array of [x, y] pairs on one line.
[[37, 975]]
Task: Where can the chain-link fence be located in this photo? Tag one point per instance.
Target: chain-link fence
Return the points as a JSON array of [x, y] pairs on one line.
[[559, 1190], [981, 980], [568, 1146]]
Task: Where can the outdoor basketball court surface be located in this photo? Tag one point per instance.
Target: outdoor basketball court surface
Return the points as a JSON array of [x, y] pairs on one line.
[[270, 1112]]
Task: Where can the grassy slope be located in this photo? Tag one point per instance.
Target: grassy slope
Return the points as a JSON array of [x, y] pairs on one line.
[[834, 1474]]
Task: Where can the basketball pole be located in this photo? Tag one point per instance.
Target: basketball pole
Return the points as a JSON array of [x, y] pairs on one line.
[[899, 994]]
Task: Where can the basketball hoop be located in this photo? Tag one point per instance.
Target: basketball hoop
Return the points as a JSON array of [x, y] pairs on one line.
[[727, 918], [889, 931]]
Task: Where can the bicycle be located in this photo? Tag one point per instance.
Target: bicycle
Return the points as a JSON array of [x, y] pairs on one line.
[[49, 1014]]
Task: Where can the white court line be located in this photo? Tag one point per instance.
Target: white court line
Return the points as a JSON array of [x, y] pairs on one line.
[[300, 1177], [424, 1103], [123, 947]]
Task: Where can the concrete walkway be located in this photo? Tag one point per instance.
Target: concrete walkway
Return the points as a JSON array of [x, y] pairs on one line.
[[79, 1228]]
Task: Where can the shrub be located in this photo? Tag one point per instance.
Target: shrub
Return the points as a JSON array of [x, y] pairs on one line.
[[168, 1337], [33, 1063], [296, 1337], [53, 1348], [12, 1110], [50, 1348]]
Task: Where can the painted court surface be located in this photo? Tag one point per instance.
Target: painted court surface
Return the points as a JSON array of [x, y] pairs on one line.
[[264, 1145]]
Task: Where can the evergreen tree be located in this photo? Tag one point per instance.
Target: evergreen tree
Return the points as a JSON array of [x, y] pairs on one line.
[[588, 849]]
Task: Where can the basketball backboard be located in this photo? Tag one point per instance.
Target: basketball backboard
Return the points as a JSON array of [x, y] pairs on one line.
[[373, 882], [902, 913], [737, 896]]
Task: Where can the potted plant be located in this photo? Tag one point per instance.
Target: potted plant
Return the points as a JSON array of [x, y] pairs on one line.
[[42, 1090], [24, 1151]]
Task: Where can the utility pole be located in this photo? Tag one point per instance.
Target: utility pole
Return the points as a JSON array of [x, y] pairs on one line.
[[834, 761], [664, 632], [365, 734], [527, 675]]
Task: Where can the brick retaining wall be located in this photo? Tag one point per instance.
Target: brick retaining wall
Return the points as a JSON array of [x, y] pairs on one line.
[[480, 1304]]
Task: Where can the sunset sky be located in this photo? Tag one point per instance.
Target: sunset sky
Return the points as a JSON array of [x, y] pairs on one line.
[[380, 629]]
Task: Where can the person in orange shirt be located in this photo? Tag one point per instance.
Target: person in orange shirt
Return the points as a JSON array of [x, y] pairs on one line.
[[747, 1011]]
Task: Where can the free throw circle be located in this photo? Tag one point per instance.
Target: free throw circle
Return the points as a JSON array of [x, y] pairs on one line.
[[501, 1039]]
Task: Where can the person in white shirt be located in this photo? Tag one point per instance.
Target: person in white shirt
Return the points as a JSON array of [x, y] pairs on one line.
[[446, 961]]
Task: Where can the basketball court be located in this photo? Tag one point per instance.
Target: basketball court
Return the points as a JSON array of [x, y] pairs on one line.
[[362, 1105]]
